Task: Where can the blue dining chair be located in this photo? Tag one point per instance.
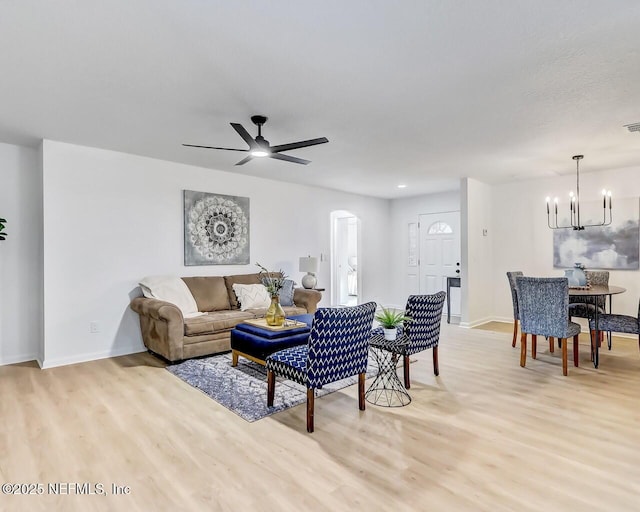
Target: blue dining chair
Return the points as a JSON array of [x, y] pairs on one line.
[[511, 276], [584, 307], [338, 348], [543, 303], [617, 323]]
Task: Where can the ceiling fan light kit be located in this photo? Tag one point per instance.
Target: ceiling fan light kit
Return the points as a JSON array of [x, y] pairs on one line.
[[260, 147], [574, 206]]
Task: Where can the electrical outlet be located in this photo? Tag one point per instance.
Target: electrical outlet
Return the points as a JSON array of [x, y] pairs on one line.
[[94, 327]]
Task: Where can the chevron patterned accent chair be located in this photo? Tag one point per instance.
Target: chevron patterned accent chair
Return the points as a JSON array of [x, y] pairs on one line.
[[423, 331], [338, 348], [617, 323], [511, 276], [543, 303]]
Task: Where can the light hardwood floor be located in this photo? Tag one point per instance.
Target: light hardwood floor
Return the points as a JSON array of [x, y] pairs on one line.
[[485, 435]]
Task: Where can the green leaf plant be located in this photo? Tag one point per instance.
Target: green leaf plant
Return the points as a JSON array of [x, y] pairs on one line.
[[390, 318]]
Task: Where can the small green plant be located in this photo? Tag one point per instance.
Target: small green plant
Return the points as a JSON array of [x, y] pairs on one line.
[[390, 318], [272, 282], [3, 235]]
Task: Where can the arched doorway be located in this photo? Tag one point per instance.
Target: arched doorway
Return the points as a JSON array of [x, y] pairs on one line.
[[345, 260]]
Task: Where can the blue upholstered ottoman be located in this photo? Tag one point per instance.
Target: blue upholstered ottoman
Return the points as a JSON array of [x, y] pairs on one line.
[[256, 343]]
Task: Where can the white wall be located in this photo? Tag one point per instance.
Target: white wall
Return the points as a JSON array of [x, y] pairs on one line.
[[112, 218], [402, 212], [476, 252], [20, 255], [522, 240]]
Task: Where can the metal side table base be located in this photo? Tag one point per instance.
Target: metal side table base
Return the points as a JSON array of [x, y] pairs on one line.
[[387, 389]]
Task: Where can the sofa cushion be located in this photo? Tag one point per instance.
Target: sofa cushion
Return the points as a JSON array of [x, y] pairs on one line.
[[210, 292], [229, 281], [251, 296], [286, 292], [214, 321], [170, 289]]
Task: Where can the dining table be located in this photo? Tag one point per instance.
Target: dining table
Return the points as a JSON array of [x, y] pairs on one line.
[[596, 291]]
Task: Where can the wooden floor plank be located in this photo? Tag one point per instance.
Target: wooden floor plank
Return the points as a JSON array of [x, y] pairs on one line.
[[485, 435]]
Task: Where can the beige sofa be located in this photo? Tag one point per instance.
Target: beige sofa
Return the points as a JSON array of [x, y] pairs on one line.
[[167, 333]]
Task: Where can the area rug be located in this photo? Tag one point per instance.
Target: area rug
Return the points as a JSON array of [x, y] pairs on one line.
[[243, 389]]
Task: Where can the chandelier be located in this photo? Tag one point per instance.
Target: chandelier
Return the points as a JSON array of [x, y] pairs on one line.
[[574, 206]]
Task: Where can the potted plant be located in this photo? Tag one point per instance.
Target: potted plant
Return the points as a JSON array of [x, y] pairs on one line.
[[389, 320], [3, 235], [273, 282]]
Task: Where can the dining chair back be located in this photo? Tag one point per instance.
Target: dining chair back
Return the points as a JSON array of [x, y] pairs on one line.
[[543, 305], [594, 278], [511, 276]]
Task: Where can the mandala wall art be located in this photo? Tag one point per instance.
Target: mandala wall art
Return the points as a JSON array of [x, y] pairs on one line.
[[216, 229]]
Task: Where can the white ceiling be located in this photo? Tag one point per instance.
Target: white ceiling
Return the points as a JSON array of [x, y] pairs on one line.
[[420, 92]]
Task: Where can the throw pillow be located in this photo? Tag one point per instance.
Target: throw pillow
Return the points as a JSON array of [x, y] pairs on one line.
[[170, 289], [252, 296], [286, 293]]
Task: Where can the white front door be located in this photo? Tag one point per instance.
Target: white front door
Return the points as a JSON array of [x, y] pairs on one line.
[[440, 254]]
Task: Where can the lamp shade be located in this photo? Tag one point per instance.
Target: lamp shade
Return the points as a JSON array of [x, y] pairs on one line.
[[308, 264]]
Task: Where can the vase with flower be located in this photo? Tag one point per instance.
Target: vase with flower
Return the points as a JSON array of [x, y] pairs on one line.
[[273, 282]]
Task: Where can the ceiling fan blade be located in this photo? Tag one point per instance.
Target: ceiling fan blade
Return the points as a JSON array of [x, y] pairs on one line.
[[245, 135], [296, 145], [212, 147], [288, 158], [245, 160]]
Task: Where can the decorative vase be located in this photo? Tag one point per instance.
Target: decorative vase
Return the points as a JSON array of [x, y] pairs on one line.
[[569, 275], [390, 334], [275, 313], [579, 275]]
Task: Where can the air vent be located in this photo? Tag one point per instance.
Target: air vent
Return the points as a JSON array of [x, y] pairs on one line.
[[635, 127]]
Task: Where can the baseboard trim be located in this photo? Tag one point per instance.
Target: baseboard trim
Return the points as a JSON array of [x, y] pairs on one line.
[[23, 358], [475, 323], [94, 356]]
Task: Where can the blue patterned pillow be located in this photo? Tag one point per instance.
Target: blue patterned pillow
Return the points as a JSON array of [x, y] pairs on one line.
[[286, 292]]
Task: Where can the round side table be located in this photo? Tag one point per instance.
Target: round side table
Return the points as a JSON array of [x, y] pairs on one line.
[[387, 390]]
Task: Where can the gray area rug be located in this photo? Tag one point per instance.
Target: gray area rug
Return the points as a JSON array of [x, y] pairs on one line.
[[243, 389]]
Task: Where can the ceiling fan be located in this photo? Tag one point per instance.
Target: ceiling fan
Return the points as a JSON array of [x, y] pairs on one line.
[[259, 147]]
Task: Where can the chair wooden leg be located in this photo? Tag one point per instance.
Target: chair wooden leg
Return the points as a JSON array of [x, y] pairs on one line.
[[534, 345], [515, 332], [436, 369], [234, 358], [564, 356], [552, 344], [310, 401], [523, 349], [361, 379], [271, 387], [576, 357], [405, 366]]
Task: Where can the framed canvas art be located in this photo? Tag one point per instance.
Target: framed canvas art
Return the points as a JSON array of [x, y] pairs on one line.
[[613, 247], [216, 229]]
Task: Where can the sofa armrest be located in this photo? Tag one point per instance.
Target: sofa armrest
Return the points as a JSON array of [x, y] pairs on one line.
[[157, 309], [308, 299], [162, 326]]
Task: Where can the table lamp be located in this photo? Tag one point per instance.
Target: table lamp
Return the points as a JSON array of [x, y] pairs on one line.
[[309, 265]]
